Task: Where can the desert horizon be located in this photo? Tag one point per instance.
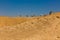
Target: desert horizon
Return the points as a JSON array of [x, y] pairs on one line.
[[29, 19], [46, 27]]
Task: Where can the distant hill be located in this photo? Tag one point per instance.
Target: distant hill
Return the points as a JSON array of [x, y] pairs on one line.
[[30, 28]]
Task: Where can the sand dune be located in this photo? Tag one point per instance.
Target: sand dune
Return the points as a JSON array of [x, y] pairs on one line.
[[30, 28]]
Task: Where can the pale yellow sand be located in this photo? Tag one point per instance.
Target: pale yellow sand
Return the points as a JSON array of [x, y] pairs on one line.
[[31, 28]]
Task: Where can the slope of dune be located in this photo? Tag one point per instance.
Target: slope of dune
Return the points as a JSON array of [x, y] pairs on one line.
[[9, 21], [30, 28]]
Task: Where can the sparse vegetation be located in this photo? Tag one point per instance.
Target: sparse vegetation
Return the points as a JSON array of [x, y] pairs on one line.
[[27, 16], [50, 12], [32, 15], [45, 15]]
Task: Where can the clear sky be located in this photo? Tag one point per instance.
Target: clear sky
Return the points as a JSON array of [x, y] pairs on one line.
[[28, 7]]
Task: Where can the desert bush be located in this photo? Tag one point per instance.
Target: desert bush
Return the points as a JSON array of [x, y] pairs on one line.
[[50, 12], [27, 16]]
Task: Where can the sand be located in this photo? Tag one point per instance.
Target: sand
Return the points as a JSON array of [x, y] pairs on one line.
[[30, 28]]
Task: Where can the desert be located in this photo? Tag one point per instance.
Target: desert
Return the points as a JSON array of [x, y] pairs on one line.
[[30, 28]]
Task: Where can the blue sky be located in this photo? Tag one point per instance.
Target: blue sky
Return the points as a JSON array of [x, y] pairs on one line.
[[28, 7]]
